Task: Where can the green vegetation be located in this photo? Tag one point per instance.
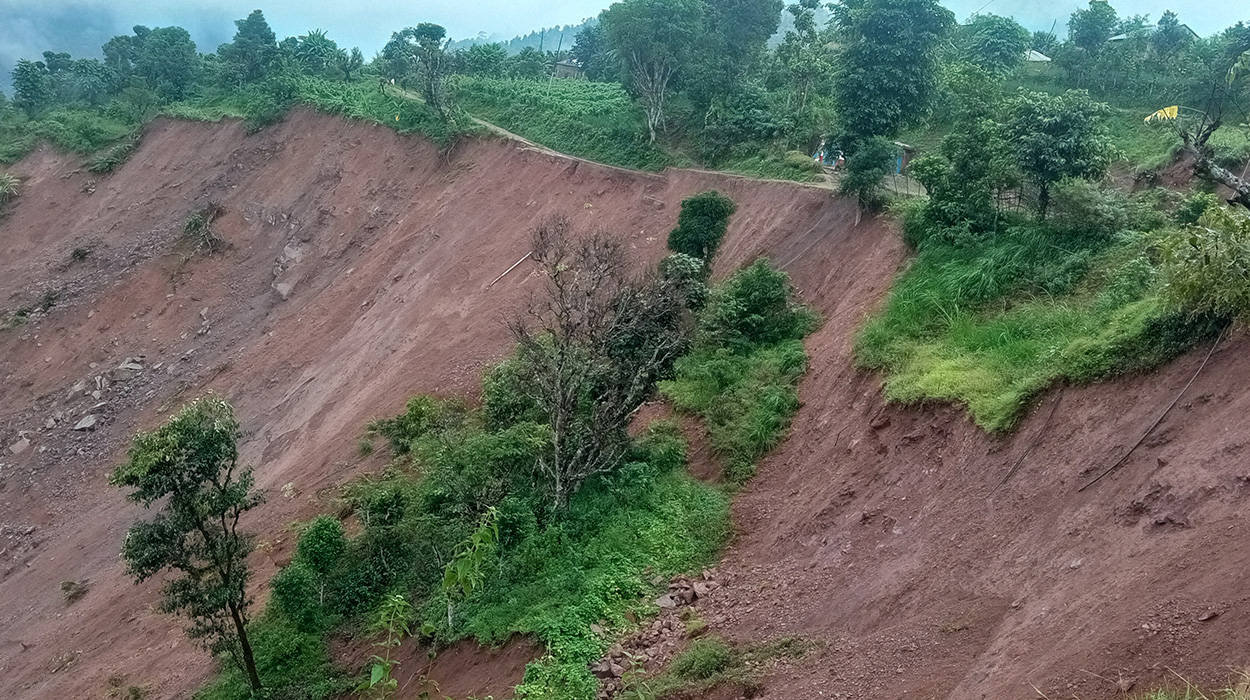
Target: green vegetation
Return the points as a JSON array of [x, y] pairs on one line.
[[989, 321], [742, 377], [10, 186], [701, 226], [1204, 266], [537, 513], [596, 121], [190, 466], [714, 663]]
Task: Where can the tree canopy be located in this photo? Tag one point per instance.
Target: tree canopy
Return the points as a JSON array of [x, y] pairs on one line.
[[189, 470], [888, 71]]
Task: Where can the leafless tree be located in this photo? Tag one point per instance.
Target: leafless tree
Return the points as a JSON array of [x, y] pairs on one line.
[[591, 348]]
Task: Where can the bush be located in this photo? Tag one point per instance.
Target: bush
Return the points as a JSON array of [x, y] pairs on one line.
[[754, 308], [1193, 207], [1205, 267], [742, 379], [705, 658], [866, 168], [9, 188], [422, 416], [701, 226], [1084, 208], [746, 401]]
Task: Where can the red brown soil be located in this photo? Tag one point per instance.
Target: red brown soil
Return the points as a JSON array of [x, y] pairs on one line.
[[875, 530]]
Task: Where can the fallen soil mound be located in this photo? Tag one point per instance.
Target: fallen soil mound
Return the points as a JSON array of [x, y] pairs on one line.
[[362, 268]]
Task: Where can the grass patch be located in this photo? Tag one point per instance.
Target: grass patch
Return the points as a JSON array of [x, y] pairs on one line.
[[112, 158], [795, 166], [712, 662], [991, 322], [597, 121], [742, 378], [80, 131], [292, 663], [1145, 147]]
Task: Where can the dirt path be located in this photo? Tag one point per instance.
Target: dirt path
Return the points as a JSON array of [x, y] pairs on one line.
[[828, 183]]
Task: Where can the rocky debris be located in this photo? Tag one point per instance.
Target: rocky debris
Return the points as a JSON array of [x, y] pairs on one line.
[[205, 327], [20, 446], [88, 422], [130, 368], [656, 642]]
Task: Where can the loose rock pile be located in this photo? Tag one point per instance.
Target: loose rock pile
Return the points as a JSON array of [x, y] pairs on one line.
[[648, 649]]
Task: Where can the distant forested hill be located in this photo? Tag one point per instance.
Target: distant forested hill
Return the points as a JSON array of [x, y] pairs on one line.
[[548, 39]]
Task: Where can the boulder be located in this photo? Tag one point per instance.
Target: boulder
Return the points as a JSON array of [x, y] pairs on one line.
[[87, 423]]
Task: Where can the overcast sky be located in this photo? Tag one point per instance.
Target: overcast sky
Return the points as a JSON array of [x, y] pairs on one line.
[[29, 27]]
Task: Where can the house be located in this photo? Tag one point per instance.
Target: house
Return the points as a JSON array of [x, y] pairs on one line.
[[569, 68], [903, 156], [1032, 56]]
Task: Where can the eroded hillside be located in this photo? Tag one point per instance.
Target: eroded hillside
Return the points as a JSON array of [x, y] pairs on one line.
[[364, 267]]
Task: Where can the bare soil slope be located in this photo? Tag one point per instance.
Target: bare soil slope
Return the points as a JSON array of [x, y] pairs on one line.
[[360, 272]]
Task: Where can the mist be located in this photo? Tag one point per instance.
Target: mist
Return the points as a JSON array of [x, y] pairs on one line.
[[81, 27]]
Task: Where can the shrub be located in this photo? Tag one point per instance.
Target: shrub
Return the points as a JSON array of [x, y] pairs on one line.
[[754, 308], [701, 226], [704, 659], [9, 188], [112, 158], [1205, 267], [1194, 206], [743, 377], [423, 415], [1084, 208], [686, 275], [866, 168]]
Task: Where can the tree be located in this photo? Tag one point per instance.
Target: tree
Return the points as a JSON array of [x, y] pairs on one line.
[[591, 49], [530, 63], [1044, 42], [995, 44], [33, 88], [1170, 37], [420, 52], [485, 60], [731, 41], [121, 51], [803, 56], [652, 40], [88, 81], [315, 52], [972, 161], [1057, 137], [167, 59], [701, 226], [348, 63], [888, 71], [1091, 28], [254, 51], [190, 466], [872, 160], [590, 350], [1223, 93]]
